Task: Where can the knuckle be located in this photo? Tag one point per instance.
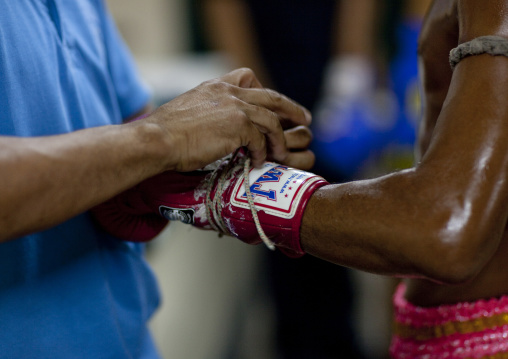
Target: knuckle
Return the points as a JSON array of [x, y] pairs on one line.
[[246, 71], [242, 118], [216, 87], [274, 96], [220, 86], [270, 115], [271, 122]]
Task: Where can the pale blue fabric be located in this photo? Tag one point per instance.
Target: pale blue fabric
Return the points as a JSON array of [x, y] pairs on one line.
[[71, 291]]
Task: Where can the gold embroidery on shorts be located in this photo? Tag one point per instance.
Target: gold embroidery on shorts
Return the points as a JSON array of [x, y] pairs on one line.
[[452, 327]]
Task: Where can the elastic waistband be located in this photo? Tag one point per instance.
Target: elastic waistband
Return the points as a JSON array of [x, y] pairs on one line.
[[425, 323], [463, 330]]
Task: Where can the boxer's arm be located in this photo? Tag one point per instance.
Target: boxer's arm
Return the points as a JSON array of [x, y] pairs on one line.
[[443, 219]]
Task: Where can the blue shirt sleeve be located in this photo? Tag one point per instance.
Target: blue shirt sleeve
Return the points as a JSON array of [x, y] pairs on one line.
[[131, 92]]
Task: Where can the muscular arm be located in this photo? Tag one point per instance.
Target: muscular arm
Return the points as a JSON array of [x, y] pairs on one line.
[[46, 180], [443, 219]]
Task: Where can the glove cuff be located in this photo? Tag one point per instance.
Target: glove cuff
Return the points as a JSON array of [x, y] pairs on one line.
[[294, 245]]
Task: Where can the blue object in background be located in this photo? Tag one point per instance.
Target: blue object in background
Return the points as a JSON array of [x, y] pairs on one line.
[[374, 134]]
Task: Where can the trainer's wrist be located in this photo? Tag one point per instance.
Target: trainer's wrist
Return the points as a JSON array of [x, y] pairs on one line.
[[153, 145]]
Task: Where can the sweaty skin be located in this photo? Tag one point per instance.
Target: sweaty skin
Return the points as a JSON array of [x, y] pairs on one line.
[[443, 221]]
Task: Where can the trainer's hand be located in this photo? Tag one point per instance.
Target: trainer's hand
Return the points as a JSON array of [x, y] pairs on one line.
[[298, 140], [217, 117]]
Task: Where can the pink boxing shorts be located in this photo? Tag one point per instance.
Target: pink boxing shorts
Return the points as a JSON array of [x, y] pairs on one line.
[[459, 331]]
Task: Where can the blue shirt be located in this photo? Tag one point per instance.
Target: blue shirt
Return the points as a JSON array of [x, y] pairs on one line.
[[71, 291]]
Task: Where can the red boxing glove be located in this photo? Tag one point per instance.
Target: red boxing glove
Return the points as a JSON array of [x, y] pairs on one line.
[[128, 217], [220, 202]]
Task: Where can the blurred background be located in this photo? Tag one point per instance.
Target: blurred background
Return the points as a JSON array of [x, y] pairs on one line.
[[353, 63]]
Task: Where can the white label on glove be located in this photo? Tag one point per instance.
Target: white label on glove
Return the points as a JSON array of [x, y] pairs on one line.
[[276, 189], [184, 215]]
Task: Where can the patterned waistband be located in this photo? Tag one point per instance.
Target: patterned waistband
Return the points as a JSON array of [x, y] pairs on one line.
[[464, 330]]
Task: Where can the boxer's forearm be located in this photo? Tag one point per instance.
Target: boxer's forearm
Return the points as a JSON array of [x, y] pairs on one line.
[[442, 220], [366, 224], [399, 226], [47, 180]]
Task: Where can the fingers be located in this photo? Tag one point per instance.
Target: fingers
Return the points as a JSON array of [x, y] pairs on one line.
[[291, 149], [303, 160], [267, 109], [250, 90], [298, 140], [257, 148], [267, 123], [244, 78], [230, 112], [287, 109]]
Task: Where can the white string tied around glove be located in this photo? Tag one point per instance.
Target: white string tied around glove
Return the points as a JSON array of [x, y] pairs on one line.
[[214, 207]]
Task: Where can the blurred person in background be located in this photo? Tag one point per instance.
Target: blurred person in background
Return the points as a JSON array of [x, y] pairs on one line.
[[373, 118], [67, 84]]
